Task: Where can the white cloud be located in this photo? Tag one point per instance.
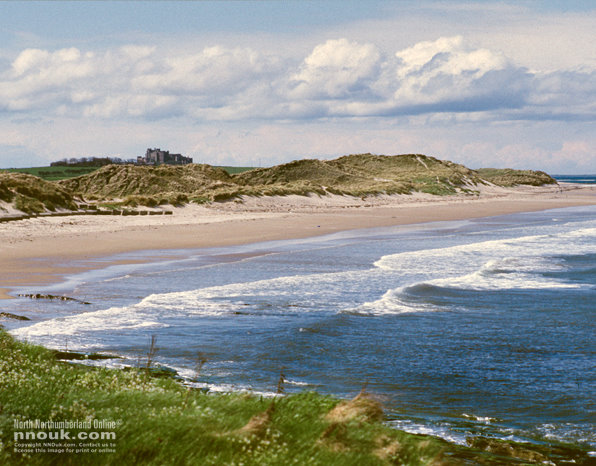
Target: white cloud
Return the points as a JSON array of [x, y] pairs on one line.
[[214, 70], [447, 55], [336, 69], [450, 76], [575, 155], [565, 94], [28, 59], [338, 78]]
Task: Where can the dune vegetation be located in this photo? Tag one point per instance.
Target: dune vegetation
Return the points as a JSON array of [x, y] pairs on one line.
[[359, 175], [31, 194], [507, 177], [355, 175]]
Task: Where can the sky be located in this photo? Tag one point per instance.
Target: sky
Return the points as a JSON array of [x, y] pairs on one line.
[[258, 83]]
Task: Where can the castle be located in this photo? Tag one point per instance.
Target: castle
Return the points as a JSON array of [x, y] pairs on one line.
[[158, 156]]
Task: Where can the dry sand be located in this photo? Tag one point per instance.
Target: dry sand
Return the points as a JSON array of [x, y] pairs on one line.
[[41, 250]]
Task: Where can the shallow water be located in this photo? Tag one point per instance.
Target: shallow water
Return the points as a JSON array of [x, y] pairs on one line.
[[470, 327]]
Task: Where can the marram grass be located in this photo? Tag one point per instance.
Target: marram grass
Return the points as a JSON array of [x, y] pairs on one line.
[[359, 175], [356, 175]]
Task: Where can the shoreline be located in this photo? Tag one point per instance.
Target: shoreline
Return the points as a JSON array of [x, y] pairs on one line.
[[40, 251]]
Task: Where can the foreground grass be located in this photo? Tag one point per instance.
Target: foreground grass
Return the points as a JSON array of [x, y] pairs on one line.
[[159, 421]]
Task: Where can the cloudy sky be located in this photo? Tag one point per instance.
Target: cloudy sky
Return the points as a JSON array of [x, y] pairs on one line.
[[483, 83]]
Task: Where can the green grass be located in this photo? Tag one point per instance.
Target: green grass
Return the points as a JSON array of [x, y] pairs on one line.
[[160, 421], [234, 170], [64, 173], [508, 177], [54, 173], [33, 195]]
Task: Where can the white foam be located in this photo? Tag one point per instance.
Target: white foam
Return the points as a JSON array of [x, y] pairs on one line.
[[392, 302], [296, 383], [442, 431], [483, 419], [71, 330], [581, 241], [230, 388], [480, 281], [507, 264], [301, 292]]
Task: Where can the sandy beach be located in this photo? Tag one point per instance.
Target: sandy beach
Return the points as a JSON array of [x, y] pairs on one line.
[[40, 250]]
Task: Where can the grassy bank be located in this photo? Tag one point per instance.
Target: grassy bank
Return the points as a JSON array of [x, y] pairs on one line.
[[160, 421], [140, 417]]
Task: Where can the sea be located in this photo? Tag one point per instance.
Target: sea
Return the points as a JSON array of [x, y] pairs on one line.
[[581, 179], [460, 328]]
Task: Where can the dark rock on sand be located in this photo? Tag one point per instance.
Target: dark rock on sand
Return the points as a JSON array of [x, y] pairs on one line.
[[530, 453], [52, 297], [72, 356], [8, 315]]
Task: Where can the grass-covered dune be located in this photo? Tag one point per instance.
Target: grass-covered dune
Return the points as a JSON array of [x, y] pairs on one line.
[[363, 174], [508, 177], [357, 175], [117, 181], [31, 194], [141, 419]]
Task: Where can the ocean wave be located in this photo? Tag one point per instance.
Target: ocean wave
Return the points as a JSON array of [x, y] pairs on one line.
[[438, 295], [483, 419], [392, 302], [61, 331], [287, 294], [456, 432], [231, 388], [443, 430], [296, 383], [523, 251], [568, 432], [525, 263]]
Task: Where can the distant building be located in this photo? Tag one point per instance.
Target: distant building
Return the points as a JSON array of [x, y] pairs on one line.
[[158, 156]]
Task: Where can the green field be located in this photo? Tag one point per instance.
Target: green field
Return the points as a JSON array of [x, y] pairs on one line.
[[234, 170], [64, 173], [54, 173]]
